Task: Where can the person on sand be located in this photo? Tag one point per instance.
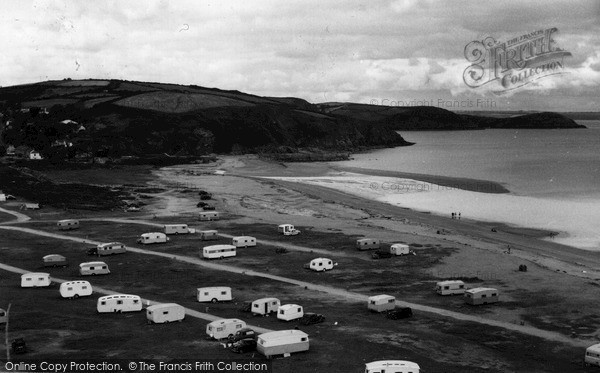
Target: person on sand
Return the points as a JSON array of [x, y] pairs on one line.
[[459, 216], [452, 215], [508, 249]]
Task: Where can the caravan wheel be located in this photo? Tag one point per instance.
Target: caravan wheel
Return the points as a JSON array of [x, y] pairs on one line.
[[75, 296], [214, 300], [230, 336]]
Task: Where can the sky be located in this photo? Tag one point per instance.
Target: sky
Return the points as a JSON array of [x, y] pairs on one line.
[[382, 52]]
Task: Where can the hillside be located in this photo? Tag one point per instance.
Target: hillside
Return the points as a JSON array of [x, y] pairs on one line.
[[420, 118], [135, 118]]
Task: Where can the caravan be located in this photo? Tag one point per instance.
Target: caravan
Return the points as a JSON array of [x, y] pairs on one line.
[[153, 237], [450, 287], [243, 241], [54, 260], [287, 230], [224, 328], [218, 251], [109, 248], [479, 296], [178, 229], [3, 316], [75, 289], [265, 306], [399, 249], [67, 224], [592, 355], [208, 215], [392, 366], [289, 312], [282, 342], [367, 244], [214, 294], [209, 235], [119, 303], [381, 303], [320, 264], [165, 313], [93, 268], [35, 279]]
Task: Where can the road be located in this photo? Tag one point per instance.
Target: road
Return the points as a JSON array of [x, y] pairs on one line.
[[340, 293]]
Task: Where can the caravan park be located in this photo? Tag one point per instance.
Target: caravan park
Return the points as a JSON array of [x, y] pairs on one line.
[[271, 272]]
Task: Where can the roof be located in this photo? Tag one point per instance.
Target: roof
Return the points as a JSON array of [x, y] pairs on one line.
[[35, 274], [477, 290], [109, 244], [595, 348], [367, 239], [68, 220], [381, 297], [163, 305], [75, 282], [320, 259], [268, 299], [176, 225], [226, 321], [215, 287], [391, 363], [149, 233], [282, 334], [92, 263], [209, 231], [450, 282], [286, 225], [218, 247], [399, 245], [53, 256], [120, 296], [241, 237], [288, 306]]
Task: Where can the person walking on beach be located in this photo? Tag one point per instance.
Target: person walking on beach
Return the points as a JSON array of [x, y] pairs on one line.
[[452, 215], [509, 249], [459, 216]]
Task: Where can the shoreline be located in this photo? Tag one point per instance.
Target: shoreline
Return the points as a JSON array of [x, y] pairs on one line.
[[471, 185]]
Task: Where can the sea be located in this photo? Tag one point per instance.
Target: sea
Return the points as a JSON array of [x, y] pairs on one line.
[[553, 176]]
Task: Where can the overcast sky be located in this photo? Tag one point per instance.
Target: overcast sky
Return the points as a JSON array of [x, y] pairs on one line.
[[377, 51]]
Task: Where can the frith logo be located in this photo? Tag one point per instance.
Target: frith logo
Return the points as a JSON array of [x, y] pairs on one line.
[[514, 63]]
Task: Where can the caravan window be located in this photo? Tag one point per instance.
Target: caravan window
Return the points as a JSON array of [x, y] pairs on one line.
[[71, 288], [238, 326], [119, 302], [165, 312], [391, 300], [274, 303], [493, 294], [256, 306], [83, 287], [446, 287], [483, 296], [28, 279], [2, 313], [206, 293], [372, 302], [135, 301], [303, 339], [220, 329], [222, 293], [103, 303], [299, 309]]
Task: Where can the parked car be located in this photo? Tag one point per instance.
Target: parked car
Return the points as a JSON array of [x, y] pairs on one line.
[[399, 313], [201, 204], [208, 208], [244, 345], [19, 346], [92, 251], [311, 318], [380, 254], [243, 333]]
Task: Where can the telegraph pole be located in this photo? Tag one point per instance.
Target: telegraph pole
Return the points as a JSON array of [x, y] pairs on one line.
[[6, 333]]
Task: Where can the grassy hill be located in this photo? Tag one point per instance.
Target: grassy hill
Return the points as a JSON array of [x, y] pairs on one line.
[[135, 118]]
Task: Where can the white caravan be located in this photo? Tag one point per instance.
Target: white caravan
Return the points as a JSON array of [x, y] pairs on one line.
[[214, 294], [208, 215], [399, 249], [209, 235], [67, 224], [75, 289], [218, 251], [243, 241], [3, 316], [93, 268], [35, 279], [119, 303], [320, 264], [592, 355], [479, 296], [367, 244], [178, 229], [224, 328], [450, 287], [152, 237], [392, 366], [287, 230], [381, 303], [265, 306], [282, 342], [289, 312], [165, 313]]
